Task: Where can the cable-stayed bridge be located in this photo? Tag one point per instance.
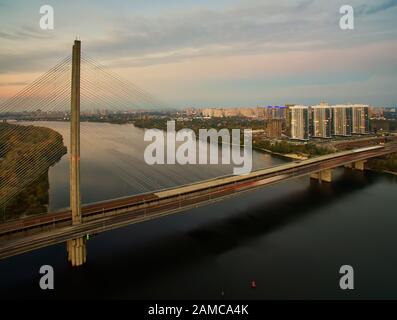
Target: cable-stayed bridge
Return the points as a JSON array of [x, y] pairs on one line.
[[79, 83]]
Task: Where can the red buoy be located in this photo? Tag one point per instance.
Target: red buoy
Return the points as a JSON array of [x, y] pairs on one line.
[[253, 284]]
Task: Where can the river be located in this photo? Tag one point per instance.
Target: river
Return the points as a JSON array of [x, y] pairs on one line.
[[290, 238]]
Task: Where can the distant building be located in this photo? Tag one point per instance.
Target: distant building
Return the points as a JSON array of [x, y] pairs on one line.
[[321, 121], [230, 112], [247, 112], [213, 112], [360, 119], [380, 125], [273, 112], [391, 113], [190, 111], [298, 122], [288, 120], [341, 120], [270, 112], [376, 112], [274, 128]]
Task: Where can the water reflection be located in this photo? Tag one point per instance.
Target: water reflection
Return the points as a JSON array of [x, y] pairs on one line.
[[291, 238], [112, 165]]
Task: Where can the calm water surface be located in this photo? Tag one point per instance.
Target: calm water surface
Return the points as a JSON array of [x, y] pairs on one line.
[[290, 238]]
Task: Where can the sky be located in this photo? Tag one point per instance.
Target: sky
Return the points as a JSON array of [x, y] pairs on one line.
[[214, 53]]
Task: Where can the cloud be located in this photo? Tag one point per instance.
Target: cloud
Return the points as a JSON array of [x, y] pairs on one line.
[[213, 43], [249, 27], [376, 7], [24, 33], [304, 4], [15, 83], [206, 32], [30, 61]]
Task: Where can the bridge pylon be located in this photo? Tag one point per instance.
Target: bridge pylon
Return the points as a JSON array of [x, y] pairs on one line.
[[76, 247]]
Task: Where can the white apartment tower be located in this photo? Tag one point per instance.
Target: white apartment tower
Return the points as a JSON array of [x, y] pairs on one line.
[[298, 118], [321, 121], [342, 120], [360, 119]]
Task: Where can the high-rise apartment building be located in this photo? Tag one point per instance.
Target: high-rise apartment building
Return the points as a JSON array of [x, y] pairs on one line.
[[298, 118], [360, 119], [273, 112], [321, 116], [274, 128], [341, 118]]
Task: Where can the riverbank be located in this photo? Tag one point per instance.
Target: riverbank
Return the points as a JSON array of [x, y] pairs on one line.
[[26, 154], [390, 172], [287, 156], [282, 148], [387, 164], [382, 171], [279, 148]]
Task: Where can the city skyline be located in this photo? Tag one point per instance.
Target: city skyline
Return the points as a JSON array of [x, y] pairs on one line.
[[221, 53]]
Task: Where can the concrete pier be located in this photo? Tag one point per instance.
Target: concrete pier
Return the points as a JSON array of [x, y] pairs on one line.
[[360, 165], [322, 176], [77, 251]]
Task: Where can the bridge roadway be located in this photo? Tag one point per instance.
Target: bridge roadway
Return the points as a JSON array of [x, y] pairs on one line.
[[35, 232]]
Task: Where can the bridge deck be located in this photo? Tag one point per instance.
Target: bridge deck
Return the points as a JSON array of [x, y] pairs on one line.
[[38, 231]]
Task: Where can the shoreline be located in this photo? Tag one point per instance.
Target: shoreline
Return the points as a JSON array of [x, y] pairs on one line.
[[382, 171], [288, 156], [23, 189]]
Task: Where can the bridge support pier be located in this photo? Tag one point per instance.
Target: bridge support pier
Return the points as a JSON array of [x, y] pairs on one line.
[[322, 176], [360, 165], [77, 252]]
